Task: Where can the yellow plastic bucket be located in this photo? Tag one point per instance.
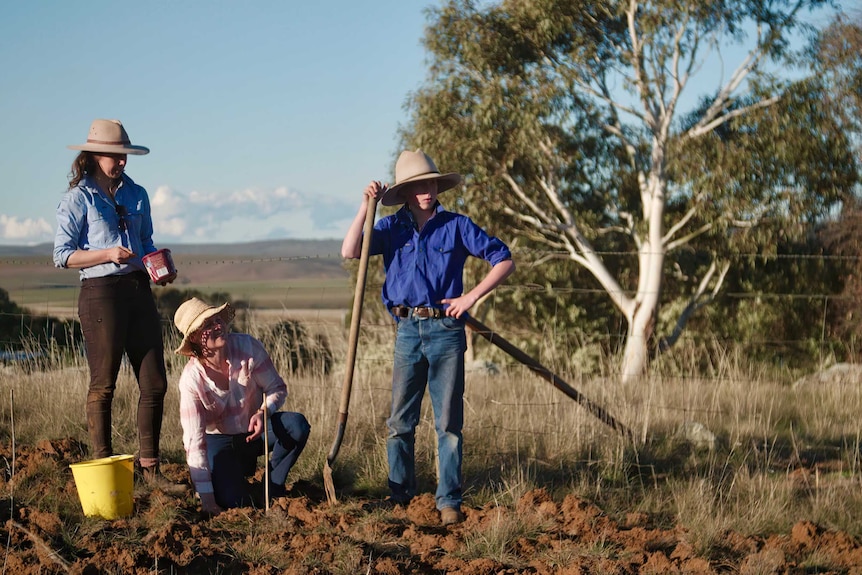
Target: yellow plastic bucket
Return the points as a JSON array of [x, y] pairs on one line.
[[105, 486]]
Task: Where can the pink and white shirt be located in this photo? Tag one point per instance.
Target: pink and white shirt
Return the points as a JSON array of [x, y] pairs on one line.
[[204, 408]]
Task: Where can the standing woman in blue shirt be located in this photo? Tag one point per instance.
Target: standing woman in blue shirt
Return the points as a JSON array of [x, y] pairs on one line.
[[104, 228], [424, 249]]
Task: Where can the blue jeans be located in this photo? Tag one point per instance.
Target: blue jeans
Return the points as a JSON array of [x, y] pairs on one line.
[[232, 459], [427, 351]]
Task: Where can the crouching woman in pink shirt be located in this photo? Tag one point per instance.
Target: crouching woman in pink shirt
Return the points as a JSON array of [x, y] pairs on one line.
[[222, 390]]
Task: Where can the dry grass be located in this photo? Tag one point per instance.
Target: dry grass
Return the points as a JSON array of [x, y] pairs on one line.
[[781, 454]]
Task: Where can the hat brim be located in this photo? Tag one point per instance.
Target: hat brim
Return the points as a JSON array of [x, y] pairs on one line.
[[112, 149], [227, 312], [394, 197]]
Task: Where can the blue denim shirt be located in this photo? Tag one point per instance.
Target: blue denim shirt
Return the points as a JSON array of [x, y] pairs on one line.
[[424, 267], [88, 220]]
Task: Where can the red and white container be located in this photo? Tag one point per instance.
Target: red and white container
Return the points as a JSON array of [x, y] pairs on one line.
[[160, 266]]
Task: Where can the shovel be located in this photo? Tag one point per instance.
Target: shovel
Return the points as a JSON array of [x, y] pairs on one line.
[[358, 296], [595, 409]]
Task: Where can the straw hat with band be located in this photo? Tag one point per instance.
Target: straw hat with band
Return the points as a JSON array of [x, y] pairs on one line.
[[415, 167], [109, 137], [192, 315]]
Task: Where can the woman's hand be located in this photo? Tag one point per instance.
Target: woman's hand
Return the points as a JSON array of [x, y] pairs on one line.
[[119, 254], [80, 259], [255, 426]]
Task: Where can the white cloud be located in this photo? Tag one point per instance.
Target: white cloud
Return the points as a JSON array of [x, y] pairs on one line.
[[27, 231], [245, 215], [166, 202]]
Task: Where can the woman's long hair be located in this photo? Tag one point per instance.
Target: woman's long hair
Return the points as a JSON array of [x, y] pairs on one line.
[[83, 164]]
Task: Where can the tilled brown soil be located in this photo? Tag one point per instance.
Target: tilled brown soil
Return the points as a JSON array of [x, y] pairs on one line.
[[303, 533]]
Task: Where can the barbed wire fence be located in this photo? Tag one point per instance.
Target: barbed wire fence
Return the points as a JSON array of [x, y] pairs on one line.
[[322, 314], [65, 285]]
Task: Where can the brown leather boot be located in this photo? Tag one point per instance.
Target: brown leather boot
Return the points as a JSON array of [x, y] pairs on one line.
[[451, 516], [153, 478]]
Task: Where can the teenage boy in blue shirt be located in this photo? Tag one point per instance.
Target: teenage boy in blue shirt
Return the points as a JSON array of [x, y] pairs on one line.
[[424, 249]]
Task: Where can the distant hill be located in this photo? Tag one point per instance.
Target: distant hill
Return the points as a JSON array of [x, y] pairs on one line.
[[21, 251], [271, 248], [27, 271], [274, 274]]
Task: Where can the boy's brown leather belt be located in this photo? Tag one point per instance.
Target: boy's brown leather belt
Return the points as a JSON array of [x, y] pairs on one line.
[[426, 312]]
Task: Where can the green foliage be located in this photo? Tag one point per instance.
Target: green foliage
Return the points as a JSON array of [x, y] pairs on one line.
[[837, 55], [843, 237], [530, 100]]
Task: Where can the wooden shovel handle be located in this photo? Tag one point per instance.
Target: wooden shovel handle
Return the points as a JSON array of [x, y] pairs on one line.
[[358, 297]]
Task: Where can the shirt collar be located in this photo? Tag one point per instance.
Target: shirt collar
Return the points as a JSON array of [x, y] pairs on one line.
[[406, 216], [90, 183]]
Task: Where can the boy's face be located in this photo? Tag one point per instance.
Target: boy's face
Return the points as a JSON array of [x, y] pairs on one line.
[[422, 194]]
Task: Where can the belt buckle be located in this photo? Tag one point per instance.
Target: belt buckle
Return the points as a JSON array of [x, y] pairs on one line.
[[427, 312]]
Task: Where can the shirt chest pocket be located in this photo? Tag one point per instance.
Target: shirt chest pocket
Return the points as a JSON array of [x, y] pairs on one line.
[[405, 256], [100, 215], [133, 221], [443, 244]]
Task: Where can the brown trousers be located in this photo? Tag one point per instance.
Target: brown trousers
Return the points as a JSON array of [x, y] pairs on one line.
[[118, 315]]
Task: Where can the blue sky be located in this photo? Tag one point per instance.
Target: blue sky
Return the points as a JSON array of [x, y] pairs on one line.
[[265, 119]]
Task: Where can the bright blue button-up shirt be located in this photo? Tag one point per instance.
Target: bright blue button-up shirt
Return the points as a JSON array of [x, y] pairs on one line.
[[425, 267], [87, 220]]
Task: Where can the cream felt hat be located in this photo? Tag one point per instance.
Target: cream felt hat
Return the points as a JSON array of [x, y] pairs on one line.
[[192, 315], [109, 137], [414, 167]]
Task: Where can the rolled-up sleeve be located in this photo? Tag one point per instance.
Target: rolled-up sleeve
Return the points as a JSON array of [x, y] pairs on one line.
[[147, 224], [193, 421], [71, 219], [482, 245]]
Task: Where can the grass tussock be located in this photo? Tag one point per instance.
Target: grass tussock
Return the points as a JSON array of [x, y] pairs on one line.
[[501, 539], [779, 453]]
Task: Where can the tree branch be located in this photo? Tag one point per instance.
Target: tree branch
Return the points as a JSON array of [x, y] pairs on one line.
[[697, 301]]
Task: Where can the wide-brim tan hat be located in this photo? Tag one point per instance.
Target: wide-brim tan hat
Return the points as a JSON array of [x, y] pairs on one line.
[[109, 137], [192, 315], [414, 167]]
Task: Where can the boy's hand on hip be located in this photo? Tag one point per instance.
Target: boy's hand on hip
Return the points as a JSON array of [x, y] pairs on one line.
[[457, 306]]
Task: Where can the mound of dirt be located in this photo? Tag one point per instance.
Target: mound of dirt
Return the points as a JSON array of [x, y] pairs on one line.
[[302, 533]]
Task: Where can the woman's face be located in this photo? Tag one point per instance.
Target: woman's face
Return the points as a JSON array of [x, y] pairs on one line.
[[112, 165], [212, 335]]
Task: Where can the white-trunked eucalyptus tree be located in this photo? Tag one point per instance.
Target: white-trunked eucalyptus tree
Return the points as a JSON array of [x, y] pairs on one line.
[[566, 116]]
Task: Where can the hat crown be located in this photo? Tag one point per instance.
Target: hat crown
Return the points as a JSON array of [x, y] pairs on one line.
[[414, 167], [192, 315], [188, 313], [413, 164], [109, 137], [108, 132]]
